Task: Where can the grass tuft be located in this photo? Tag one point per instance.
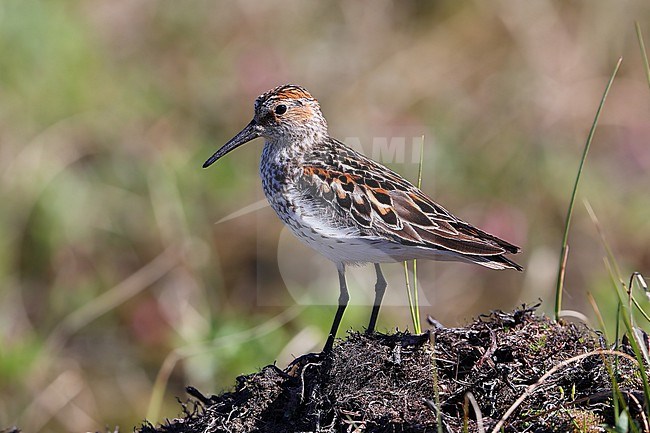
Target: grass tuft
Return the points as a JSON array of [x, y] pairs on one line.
[[624, 314]]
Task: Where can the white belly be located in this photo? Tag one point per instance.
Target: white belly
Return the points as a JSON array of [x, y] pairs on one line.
[[350, 247]]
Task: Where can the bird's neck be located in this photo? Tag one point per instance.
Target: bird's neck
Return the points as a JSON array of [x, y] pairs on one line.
[[290, 151]]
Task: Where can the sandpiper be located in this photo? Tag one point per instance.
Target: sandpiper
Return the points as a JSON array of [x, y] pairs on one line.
[[348, 207]]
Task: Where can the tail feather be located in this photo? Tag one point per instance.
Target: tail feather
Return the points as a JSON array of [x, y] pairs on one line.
[[495, 262]]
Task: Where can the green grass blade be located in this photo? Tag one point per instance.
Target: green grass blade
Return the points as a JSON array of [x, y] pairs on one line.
[[412, 307], [644, 53], [418, 328], [599, 316], [567, 223], [416, 302], [603, 241], [421, 162]]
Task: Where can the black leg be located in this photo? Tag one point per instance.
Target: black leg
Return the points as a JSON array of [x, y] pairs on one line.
[[344, 297], [380, 288]]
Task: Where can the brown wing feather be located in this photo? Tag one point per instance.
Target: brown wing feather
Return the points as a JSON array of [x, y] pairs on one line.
[[384, 203]]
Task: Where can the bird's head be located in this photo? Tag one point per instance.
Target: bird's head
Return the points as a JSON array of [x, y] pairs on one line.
[[285, 114]]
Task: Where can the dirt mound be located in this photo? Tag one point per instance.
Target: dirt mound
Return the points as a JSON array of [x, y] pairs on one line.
[[395, 383]]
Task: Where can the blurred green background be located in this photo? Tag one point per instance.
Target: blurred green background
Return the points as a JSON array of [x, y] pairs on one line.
[[120, 284]]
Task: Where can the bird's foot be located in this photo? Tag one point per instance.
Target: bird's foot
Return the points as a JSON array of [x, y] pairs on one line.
[[433, 322], [302, 361], [207, 401]]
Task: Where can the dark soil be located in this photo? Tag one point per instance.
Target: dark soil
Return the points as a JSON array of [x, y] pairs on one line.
[[395, 383]]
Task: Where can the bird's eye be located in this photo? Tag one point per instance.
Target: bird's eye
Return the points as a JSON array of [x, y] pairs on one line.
[[280, 109]]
